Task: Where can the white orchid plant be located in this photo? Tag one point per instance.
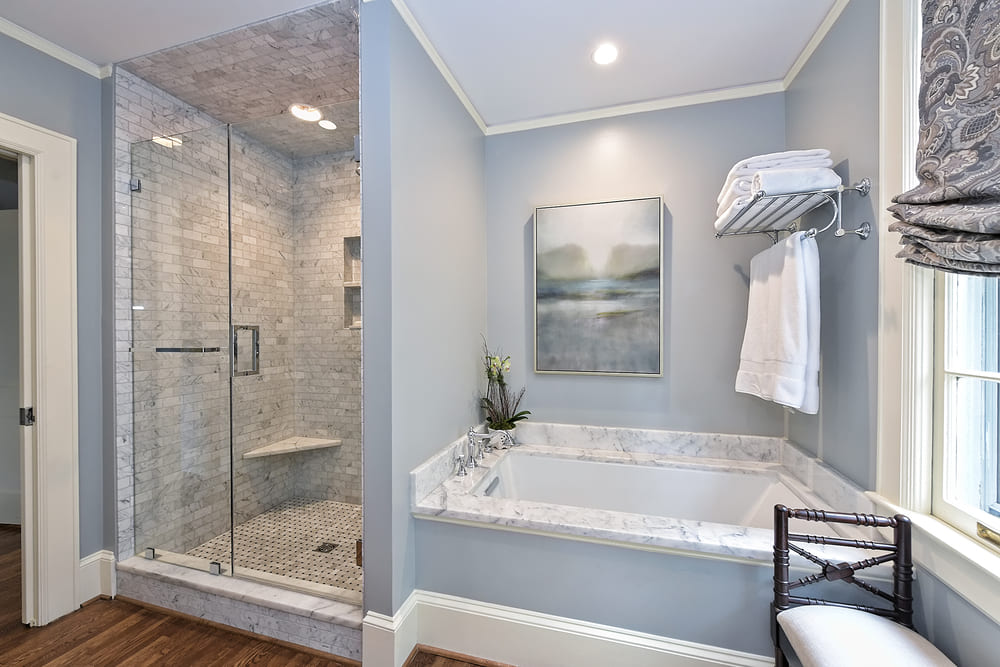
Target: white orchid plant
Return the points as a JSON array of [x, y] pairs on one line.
[[500, 403]]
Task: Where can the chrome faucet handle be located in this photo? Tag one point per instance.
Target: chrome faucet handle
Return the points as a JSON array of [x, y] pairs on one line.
[[460, 461]]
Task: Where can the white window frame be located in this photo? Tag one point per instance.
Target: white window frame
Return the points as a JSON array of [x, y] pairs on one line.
[[956, 515], [906, 340]]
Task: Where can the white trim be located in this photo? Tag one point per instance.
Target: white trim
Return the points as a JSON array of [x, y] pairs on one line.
[[425, 42], [814, 42], [518, 636], [97, 576], [736, 92], [903, 327], [39, 43], [49, 450], [964, 565]]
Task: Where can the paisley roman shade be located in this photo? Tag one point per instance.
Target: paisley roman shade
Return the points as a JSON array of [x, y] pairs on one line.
[[951, 219]]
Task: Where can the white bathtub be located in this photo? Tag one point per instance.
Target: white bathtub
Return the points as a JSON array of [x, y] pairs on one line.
[[707, 493]]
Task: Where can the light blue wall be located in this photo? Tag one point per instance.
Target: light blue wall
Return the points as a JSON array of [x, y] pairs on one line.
[[424, 239], [46, 92], [713, 602], [833, 103], [682, 155]]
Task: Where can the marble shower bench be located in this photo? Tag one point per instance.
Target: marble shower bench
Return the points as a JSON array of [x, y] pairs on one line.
[[289, 445]]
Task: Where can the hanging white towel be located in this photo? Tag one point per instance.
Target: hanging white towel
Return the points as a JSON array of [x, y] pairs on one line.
[[775, 358], [789, 180], [810, 268]]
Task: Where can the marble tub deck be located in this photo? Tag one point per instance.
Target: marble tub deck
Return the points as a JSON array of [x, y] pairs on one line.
[[438, 494]]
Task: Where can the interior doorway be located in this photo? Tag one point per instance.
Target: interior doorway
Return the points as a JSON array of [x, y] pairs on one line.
[[45, 366], [10, 477], [10, 438]]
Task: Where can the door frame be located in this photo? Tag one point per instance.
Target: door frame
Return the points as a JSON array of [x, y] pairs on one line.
[[50, 525]]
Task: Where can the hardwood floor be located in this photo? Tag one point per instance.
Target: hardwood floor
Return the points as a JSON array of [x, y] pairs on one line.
[[116, 632], [426, 656]]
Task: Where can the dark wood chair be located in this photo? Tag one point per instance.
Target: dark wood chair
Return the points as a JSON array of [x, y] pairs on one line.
[[824, 632]]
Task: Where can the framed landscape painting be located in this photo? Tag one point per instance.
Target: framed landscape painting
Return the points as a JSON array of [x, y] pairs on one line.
[[599, 287]]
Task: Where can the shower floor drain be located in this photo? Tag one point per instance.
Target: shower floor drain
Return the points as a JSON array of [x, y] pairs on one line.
[[326, 547]]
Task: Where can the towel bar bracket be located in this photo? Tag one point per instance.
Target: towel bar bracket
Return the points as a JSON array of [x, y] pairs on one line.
[[770, 214]]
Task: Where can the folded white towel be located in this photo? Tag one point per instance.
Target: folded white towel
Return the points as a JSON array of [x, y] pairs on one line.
[[766, 218], [817, 157], [788, 180], [775, 358]]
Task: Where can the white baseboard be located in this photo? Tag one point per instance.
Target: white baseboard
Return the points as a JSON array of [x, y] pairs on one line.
[[518, 636], [96, 576], [10, 506]]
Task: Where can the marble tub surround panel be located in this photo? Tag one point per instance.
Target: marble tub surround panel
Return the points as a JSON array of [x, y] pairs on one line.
[[436, 470], [307, 620], [452, 499], [652, 441], [835, 490]]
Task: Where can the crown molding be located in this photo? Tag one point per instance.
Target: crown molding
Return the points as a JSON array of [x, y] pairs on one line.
[[721, 95], [814, 42], [425, 42], [52, 49]]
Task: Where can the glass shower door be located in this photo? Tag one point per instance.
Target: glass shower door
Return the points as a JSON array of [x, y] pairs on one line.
[[296, 398], [180, 348]]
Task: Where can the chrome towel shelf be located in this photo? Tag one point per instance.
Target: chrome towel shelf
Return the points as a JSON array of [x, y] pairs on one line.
[[770, 214]]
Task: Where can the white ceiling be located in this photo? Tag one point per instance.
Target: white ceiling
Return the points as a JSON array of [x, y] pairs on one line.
[[514, 61], [109, 31], [519, 60]]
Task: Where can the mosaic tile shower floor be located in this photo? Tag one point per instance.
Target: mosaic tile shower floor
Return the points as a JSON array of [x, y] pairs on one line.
[[284, 541]]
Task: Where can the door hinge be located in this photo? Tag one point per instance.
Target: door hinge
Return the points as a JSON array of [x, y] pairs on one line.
[[27, 416]]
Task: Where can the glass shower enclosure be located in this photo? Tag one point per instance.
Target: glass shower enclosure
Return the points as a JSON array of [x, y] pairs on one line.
[[246, 351]]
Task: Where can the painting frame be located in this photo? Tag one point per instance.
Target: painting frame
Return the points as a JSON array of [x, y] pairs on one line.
[[598, 288]]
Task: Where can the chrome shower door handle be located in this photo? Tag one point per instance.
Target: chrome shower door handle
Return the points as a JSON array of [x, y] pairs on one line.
[[248, 364]]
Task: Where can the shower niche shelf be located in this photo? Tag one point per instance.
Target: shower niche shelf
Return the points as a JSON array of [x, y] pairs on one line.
[[352, 282], [291, 445]]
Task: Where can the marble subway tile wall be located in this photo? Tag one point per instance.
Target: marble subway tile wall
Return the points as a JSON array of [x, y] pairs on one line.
[[263, 248], [289, 219], [142, 111], [327, 354], [180, 282]]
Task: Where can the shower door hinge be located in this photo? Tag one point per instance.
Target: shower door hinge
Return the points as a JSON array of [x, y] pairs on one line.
[[135, 185], [357, 552], [27, 416]]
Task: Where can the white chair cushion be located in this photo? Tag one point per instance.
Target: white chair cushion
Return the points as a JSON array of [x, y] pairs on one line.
[[839, 637]]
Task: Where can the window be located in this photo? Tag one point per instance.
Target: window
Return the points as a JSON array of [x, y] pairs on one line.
[[967, 402]]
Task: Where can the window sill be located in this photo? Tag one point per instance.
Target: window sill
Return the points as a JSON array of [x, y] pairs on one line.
[[965, 565]]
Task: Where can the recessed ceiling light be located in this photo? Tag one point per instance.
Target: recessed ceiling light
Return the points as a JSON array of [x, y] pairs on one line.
[[305, 112], [169, 142], [328, 124], [605, 54]]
